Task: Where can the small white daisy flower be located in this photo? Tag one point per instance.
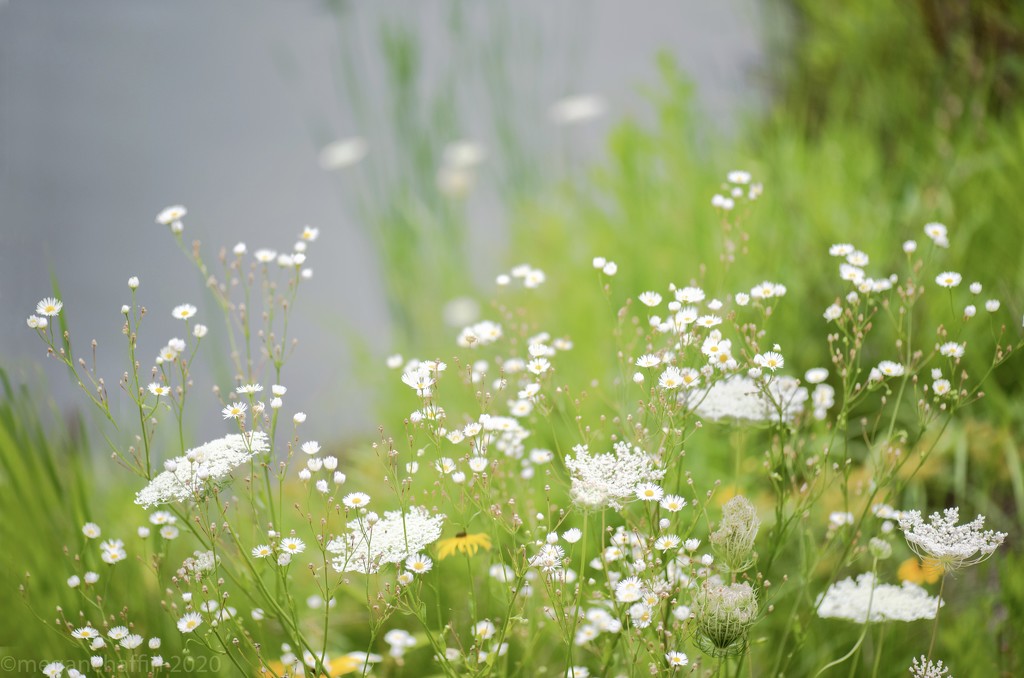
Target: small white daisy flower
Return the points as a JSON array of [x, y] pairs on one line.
[[184, 311], [91, 530], [292, 545], [169, 215], [190, 622], [356, 500], [650, 299], [158, 389], [49, 306], [419, 564]]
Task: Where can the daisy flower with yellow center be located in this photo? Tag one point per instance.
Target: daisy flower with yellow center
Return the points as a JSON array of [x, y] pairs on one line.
[[356, 500], [158, 389], [49, 306], [184, 311], [419, 564], [292, 545], [233, 411]]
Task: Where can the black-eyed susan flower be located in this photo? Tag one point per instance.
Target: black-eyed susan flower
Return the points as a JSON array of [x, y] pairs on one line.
[[920, 572], [463, 543]]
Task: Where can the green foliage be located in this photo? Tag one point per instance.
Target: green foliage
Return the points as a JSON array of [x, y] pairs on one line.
[[45, 472], [884, 116]]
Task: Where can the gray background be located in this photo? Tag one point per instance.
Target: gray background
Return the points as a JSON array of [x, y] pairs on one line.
[[111, 110]]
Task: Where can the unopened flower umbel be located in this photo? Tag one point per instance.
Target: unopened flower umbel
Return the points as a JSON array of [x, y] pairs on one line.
[[724, 615], [734, 538]]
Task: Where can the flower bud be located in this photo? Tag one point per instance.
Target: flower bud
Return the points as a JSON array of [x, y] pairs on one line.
[[879, 548], [724, 615], [734, 538]]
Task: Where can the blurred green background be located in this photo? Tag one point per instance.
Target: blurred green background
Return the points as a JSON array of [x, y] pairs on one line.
[[877, 118]]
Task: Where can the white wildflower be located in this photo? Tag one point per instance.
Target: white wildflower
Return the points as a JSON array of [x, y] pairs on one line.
[[209, 463], [390, 540], [609, 479], [941, 539], [865, 601]]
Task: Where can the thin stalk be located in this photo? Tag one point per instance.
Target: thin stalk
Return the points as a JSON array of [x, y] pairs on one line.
[[938, 606]]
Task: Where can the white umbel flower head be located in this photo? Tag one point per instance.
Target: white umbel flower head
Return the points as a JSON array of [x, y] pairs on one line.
[[610, 479], [941, 539], [370, 544], [867, 601], [200, 467], [740, 398], [926, 668]]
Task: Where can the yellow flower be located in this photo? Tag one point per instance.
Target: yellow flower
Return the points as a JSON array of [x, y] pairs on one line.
[[335, 667], [724, 494], [913, 570], [463, 543]]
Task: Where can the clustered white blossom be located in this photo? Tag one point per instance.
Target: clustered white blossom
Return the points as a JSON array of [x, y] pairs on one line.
[[952, 545], [609, 479], [187, 477], [373, 542], [926, 668], [741, 398], [867, 601]]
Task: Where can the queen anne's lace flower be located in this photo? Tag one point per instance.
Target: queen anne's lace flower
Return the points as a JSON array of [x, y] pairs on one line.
[[187, 477], [740, 398], [926, 668], [852, 601], [372, 543], [609, 479], [941, 539]]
